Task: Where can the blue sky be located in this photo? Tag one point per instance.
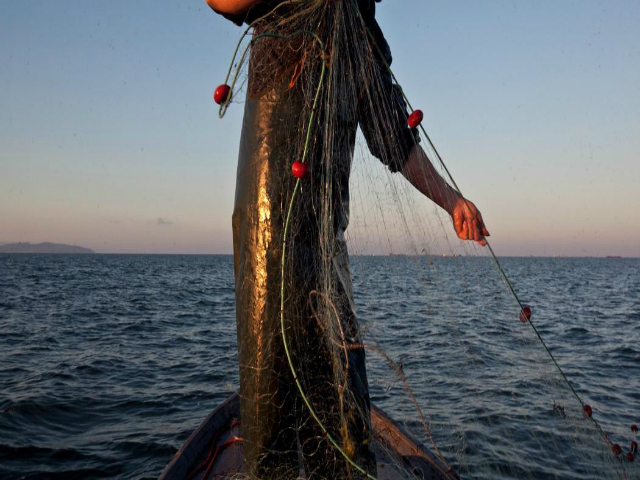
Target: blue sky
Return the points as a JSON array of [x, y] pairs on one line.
[[109, 138]]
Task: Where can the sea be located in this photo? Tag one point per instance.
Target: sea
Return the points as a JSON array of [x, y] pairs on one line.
[[109, 362]]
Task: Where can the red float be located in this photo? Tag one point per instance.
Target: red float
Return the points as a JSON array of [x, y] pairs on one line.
[[415, 118], [222, 94], [616, 449], [588, 411], [525, 313], [634, 446], [299, 169], [630, 457], [634, 427]]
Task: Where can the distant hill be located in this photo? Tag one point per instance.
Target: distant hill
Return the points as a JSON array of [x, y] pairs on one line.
[[46, 247]]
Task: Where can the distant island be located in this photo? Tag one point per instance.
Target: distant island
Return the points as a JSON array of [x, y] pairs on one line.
[[46, 247]]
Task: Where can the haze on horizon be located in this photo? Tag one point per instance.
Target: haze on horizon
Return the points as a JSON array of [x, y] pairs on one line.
[[109, 138]]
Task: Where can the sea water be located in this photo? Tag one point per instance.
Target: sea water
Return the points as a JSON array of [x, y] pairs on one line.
[[109, 362]]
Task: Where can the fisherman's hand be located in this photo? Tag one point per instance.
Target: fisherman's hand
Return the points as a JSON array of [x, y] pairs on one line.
[[467, 221]]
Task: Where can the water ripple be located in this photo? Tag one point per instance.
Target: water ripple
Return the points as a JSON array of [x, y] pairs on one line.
[[108, 362]]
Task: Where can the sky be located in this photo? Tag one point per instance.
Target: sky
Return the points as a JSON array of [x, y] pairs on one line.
[[109, 138]]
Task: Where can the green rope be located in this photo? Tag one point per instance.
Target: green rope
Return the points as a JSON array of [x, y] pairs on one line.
[[222, 111], [305, 152], [304, 397], [223, 107]]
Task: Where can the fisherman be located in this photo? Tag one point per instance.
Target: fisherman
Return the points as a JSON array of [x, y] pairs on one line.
[[273, 417]]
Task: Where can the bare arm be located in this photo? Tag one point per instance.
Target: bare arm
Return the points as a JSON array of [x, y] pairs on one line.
[[423, 176], [232, 7], [467, 219]]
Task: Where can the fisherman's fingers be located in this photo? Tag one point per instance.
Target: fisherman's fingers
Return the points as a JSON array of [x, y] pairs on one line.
[[475, 230], [485, 232], [457, 221]]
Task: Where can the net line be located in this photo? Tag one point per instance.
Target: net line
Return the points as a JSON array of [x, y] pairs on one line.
[[496, 260], [290, 207]]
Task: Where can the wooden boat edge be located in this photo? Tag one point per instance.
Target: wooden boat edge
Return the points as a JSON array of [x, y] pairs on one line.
[[182, 460], [392, 433]]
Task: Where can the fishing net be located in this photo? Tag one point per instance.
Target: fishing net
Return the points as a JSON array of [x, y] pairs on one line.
[[452, 352]]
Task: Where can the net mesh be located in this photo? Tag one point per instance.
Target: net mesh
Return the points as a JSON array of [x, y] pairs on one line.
[[476, 385]]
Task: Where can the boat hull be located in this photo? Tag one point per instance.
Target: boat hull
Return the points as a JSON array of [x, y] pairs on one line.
[[214, 449]]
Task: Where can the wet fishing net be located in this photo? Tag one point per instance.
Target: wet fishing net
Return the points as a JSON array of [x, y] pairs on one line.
[[452, 353]]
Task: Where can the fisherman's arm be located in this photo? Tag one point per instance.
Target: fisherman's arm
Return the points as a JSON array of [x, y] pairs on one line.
[[234, 10], [467, 219], [232, 7]]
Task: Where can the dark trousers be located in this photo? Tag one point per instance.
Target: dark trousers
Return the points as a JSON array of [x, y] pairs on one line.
[[276, 423]]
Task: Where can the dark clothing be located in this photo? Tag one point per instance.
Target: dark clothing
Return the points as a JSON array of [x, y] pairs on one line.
[[274, 419], [367, 10]]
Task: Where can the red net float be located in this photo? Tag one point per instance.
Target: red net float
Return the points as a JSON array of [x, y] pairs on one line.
[[299, 169], [525, 315], [222, 94], [415, 118]]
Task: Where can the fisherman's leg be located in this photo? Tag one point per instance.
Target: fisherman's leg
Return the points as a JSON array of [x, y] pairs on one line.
[[359, 407], [273, 450], [262, 188], [360, 415], [340, 395], [320, 457], [342, 405], [266, 397]]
